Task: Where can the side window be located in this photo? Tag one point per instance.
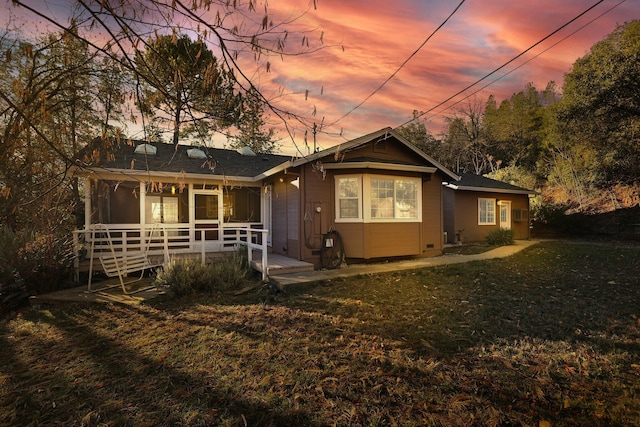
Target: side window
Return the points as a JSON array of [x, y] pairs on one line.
[[486, 211], [348, 198]]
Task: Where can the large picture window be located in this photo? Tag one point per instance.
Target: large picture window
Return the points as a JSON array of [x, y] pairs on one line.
[[486, 211], [393, 198], [377, 198]]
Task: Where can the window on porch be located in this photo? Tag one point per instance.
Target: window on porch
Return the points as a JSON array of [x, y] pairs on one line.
[[166, 203], [242, 204], [162, 209]]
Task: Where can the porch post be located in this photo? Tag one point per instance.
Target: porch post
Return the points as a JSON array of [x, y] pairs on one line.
[[87, 203], [143, 205]]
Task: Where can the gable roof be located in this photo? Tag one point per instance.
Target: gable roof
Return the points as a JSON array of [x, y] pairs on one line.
[[121, 156], [473, 182], [380, 135]]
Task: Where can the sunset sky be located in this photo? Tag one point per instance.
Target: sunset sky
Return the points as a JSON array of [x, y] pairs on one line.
[[366, 41]]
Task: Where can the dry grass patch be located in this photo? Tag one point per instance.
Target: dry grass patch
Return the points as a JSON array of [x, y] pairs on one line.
[[551, 334]]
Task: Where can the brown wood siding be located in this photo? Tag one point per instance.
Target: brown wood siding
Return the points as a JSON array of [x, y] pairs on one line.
[[372, 239], [352, 235], [283, 237], [449, 211], [316, 213], [432, 221], [391, 239], [293, 215], [389, 150], [521, 228], [466, 216]]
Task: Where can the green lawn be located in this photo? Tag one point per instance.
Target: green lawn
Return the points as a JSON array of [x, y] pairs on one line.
[[551, 334]]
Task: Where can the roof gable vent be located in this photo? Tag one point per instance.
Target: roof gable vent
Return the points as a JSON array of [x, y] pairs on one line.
[[146, 149], [245, 151], [196, 153]]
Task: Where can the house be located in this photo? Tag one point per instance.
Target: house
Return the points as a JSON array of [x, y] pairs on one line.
[[376, 196], [381, 194], [476, 205]]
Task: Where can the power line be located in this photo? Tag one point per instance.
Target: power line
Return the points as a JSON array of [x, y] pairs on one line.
[[401, 65], [529, 60], [505, 64]]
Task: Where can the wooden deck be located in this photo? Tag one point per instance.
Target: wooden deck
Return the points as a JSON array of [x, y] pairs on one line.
[[113, 295], [280, 264]]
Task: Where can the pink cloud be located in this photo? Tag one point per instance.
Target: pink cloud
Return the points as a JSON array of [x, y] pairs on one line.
[[378, 36], [364, 42]]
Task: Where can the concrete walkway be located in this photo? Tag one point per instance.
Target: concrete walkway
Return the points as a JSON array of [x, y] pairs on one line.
[[354, 270]]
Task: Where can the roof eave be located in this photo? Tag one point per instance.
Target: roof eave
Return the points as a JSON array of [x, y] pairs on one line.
[[110, 172], [277, 169], [380, 166], [488, 189]]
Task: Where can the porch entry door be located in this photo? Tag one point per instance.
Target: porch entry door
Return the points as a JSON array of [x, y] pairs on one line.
[[505, 214], [207, 220]]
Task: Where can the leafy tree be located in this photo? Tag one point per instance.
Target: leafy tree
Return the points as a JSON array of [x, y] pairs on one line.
[[600, 108], [416, 132], [515, 128], [47, 112], [570, 165]]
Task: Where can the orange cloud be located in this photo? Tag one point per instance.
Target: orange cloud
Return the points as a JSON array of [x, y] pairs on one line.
[[365, 41]]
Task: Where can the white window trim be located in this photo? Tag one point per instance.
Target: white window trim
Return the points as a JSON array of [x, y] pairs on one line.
[[495, 213], [337, 198], [367, 198], [364, 198]]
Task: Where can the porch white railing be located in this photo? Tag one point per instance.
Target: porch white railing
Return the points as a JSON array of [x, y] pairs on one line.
[[166, 240]]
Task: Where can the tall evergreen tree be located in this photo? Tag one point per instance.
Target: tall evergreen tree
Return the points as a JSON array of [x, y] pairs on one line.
[[185, 86]]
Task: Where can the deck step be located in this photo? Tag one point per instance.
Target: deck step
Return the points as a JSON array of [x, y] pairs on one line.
[[280, 264], [277, 270]]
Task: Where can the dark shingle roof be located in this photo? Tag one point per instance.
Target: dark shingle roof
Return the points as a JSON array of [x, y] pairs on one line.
[[170, 158], [470, 181]]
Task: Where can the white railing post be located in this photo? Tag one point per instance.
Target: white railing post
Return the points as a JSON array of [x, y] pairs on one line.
[[249, 248], [125, 246], [202, 248], [166, 245], [265, 262], [100, 239]]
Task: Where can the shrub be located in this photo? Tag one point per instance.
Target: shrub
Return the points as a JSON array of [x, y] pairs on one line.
[[502, 236], [232, 271], [554, 218], [31, 263], [189, 276]]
